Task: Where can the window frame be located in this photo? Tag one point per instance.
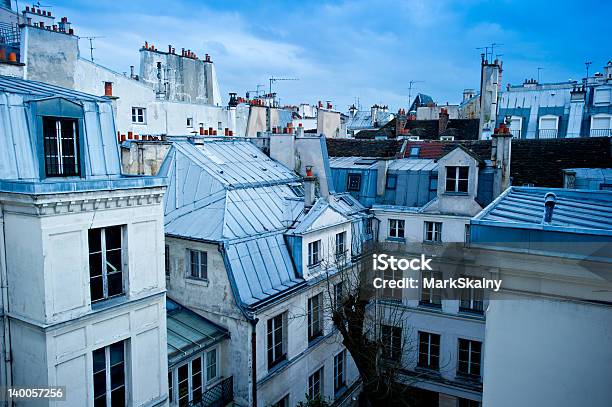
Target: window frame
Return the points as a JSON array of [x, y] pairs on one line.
[[340, 371], [432, 361], [395, 227], [189, 122], [315, 317], [104, 262], [201, 264], [108, 392], [469, 362], [457, 179], [139, 115], [602, 90], [353, 182], [473, 302], [205, 379], [391, 186], [435, 232], [58, 137], [340, 245], [433, 299], [321, 381], [392, 350], [271, 341], [314, 256]]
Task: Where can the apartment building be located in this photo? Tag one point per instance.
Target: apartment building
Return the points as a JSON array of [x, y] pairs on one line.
[[82, 254]]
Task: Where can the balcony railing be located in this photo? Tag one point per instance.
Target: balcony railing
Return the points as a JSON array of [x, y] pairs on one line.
[[601, 132], [515, 133], [220, 395], [547, 133]]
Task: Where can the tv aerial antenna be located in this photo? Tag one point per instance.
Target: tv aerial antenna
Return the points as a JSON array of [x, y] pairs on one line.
[[91, 47]]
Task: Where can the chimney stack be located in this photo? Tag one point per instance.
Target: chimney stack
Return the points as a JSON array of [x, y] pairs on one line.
[[309, 188], [500, 158], [443, 120]]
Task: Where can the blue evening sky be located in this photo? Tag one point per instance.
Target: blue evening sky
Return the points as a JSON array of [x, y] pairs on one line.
[[341, 51]]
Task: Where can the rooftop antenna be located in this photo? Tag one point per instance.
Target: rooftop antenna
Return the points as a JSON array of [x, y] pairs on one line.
[[486, 52], [91, 47], [257, 92], [539, 69], [493, 45], [273, 79], [587, 64], [410, 84]]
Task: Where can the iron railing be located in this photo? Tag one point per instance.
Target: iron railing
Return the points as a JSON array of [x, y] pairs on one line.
[[220, 395], [10, 39], [601, 132], [547, 133]]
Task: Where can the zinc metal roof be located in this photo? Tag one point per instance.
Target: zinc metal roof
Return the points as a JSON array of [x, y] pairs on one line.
[[362, 119], [36, 89], [412, 164], [575, 211], [261, 268], [233, 194], [189, 333], [352, 163]]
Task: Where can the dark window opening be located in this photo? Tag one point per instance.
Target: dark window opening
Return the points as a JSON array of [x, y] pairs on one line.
[[61, 145], [354, 182]]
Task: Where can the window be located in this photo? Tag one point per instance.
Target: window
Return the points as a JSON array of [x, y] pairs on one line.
[[602, 96], [211, 365], [516, 125], [338, 288], [339, 369], [314, 253], [467, 403], [170, 387], [190, 122], [139, 115], [469, 357], [105, 262], [429, 351], [61, 145], [471, 300], [391, 183], [391, 342], [433, 232], [414, 151], [315, 384], [393, 294], [601, 125], [315, 317], [431, 297], [198, 261], [189, 382], [548, 126], [219, 125], [340, 245], [368, 226], [284, 402], [457, 179], [276, 340], [396, 228], [109, 376], [167, 260], [354, 182]]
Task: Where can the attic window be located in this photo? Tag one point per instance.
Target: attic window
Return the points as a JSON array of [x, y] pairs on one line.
[[415, 151], [354, 182], [457, 179], [365, 161], [61, 143], [297, 189], [391, 183]]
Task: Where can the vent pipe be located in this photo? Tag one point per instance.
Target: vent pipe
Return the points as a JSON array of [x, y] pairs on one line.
[[549, 206]]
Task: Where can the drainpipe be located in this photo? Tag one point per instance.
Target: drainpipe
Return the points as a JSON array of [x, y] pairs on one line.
[[7, 360], [254, 360]]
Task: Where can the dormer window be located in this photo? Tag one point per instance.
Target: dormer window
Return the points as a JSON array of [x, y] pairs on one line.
[[61, 145], [354, 182], [457, 179]]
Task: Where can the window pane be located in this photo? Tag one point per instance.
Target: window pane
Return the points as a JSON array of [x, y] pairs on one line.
[[170, 391], [196, 378], [463, 172], [115, 284], [113, 260], [96, 289], [113, 237], [118, 397], [211, 365], [95, 264], [183, 385], [94, 240]]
